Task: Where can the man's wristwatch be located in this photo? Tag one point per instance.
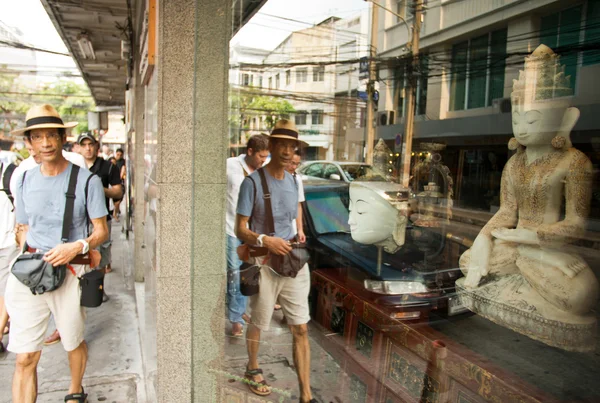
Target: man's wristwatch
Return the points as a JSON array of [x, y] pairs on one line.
[[86, 246], [259, 240]]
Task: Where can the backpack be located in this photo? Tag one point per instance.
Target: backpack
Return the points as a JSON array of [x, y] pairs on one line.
[[10, 169]]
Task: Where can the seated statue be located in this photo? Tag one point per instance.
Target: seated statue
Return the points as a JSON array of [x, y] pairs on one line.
[[523, 254]]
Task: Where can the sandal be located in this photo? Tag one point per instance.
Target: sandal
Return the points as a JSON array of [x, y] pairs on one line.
[[254, 385], [239, 332], [80, 397]]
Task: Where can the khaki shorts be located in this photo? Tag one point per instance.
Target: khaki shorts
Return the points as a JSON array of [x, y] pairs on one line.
[[290, 293], [7, 255], [29, 314]]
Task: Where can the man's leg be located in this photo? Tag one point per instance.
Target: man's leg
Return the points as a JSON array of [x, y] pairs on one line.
[[24, 386], [302, 360], [252, 344], [236, 302], [77, 363]]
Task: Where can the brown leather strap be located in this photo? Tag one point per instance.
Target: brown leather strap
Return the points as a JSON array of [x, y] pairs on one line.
[[256, 251], [82, 259]]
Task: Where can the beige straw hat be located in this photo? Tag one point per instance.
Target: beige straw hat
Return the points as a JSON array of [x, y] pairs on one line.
[[286, 129], [43, 117]]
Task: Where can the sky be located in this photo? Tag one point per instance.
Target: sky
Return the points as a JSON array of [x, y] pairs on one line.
[[266, 32], [31, 18]]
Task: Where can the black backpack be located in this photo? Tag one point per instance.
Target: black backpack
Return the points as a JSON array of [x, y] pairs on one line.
[[6, 182]]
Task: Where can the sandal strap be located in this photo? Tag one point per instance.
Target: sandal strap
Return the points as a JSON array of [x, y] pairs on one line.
[[253, 372], [77, 396]]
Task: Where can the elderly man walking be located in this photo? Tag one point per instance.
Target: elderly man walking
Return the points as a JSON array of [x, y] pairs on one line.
[[291, 292], [41, 201]]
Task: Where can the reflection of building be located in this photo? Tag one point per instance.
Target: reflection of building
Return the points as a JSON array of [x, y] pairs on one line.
[[470, 52]]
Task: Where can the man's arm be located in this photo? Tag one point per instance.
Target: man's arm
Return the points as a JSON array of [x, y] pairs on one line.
[[114, 192], [21, 234], [65, 252], [299, 225], [277, 246]]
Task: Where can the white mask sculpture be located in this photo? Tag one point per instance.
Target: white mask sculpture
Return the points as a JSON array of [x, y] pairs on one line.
[[378, 216], [522, 271]]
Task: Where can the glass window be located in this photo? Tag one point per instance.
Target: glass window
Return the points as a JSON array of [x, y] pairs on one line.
[[288, 77], [331, 169], [301, 75], [317, 116], [315, 170], [319, 73], [300, 117], [277, 80], [592, 33]]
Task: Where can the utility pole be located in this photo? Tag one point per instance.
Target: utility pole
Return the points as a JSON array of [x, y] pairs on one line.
[[371, 85], [409, 117]]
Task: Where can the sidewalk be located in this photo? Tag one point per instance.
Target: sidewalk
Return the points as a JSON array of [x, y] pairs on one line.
[[114, 370]]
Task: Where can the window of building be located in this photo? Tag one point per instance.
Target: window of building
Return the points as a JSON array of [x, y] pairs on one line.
[[400, 10], [245, 79], [288, 77], [270, 82], [591, 54], [302, 75], [319, 73], [421, 77], [277, 80], [300, 118], [317, 116], [260, 81], [478, 69], [563, 30]]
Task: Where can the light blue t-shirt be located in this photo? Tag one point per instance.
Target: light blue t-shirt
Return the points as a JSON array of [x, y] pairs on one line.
[[41, 205], [284, 201]]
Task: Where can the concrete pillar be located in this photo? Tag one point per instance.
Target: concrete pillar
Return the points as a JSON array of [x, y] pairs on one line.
[[193, 39], [139, 179]]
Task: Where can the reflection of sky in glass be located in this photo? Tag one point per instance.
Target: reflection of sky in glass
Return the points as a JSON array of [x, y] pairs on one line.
[[328, 212]]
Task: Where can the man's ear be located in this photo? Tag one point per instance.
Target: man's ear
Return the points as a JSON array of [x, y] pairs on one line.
[[250, 152]]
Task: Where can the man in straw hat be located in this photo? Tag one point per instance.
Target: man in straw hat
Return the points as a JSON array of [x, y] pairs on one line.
[[292, 293], [41, 196]]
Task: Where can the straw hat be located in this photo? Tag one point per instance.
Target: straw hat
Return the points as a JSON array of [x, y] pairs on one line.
[[43, 117], [286, 129]]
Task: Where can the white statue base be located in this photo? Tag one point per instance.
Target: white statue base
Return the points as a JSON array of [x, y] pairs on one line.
[[510, 301]]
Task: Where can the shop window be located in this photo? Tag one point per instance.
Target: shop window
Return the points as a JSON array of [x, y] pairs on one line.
[[319, 73], [317, 116], [302, 75], [562, 32], [478, 69], [591, 54]]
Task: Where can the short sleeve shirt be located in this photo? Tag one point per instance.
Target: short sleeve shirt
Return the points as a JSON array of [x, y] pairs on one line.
[[284, 202], [108, 173], [41, 205]]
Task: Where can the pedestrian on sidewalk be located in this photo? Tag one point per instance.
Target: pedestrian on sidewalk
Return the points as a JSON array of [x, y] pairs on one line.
[[237, 169], [8, 245], [40, 208], [121, 165], [291, 292]]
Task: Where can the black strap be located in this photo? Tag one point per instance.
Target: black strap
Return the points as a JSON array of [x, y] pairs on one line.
[[254, 205], [70, 203], [87, 215], [6, 182], [267, 199]]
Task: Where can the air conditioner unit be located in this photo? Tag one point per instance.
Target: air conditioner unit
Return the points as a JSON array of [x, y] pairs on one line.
[[501, 105], [385, 118]]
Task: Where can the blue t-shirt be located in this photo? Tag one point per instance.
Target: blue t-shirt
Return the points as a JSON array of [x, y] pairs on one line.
[[284, 201], [41, 205]]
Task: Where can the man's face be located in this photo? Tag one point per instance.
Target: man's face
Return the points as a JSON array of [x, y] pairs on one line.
[[293, 165], [29, 147], [47, 144], [282, 151], [119, 155], [87, 148], [256, 159], [105, 150]]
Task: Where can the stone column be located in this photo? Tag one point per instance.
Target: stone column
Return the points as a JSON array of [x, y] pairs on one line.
[[193, 39], [139, 99]]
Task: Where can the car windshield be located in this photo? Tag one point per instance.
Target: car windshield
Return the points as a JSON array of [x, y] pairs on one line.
[[329, 211], [360, 172]]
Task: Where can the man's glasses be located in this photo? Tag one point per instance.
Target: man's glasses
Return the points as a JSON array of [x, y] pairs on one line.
[[38, 137]]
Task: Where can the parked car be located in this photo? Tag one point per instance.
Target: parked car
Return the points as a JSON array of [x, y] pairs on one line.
[[411, 282], [341, 171]]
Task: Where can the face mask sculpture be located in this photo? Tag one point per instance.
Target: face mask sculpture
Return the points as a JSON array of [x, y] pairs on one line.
[[522, 271], [378, 215]]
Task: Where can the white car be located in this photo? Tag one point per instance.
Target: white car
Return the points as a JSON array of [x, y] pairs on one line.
[[341, 171]]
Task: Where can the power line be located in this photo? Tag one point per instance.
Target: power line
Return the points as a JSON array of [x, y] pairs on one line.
[[40, 94], [18, 45]]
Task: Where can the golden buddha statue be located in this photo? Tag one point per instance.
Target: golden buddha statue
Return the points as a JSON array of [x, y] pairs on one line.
[[522, 271]]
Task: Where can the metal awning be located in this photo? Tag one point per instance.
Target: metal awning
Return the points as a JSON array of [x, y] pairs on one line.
[[104, 23]]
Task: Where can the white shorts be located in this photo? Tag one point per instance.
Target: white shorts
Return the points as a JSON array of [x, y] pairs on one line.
[[7, 255], [290, 293], [29, 314]]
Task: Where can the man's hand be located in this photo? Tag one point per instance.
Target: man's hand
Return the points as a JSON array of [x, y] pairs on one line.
[[301, 236], [63, 253], [277, 246]]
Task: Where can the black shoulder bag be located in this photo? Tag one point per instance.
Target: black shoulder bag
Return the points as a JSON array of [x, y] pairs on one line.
[[285, 265], [31, 269]]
